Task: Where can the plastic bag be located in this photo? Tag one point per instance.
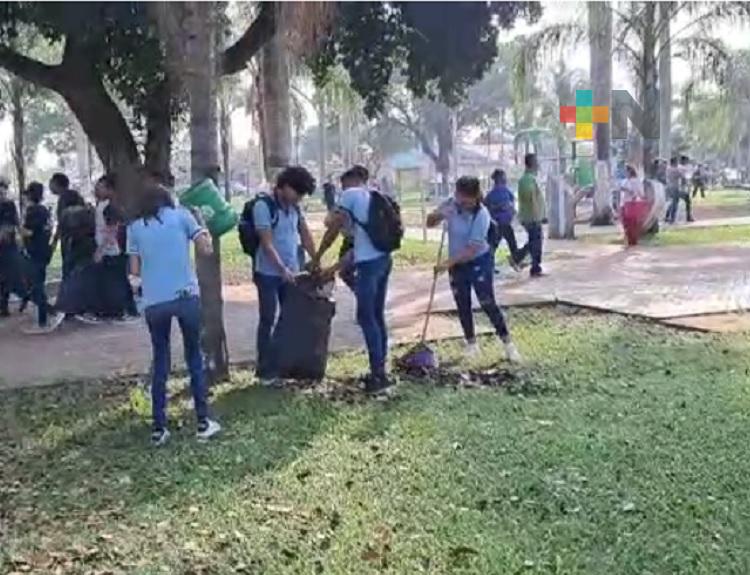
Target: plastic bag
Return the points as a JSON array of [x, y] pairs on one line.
[[300, 339]]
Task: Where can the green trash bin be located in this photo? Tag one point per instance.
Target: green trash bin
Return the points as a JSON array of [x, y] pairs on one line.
[[220, 217]]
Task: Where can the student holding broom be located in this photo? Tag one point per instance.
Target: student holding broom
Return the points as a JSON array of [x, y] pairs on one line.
[[470, 262]]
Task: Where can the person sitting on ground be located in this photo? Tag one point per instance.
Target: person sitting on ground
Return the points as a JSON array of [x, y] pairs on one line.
[[159, 241], [501, 204], [531, 213], [372, 275], [470, 263], [277, 263], [11, 263], [37, 232], [67, 198], [117, 300]]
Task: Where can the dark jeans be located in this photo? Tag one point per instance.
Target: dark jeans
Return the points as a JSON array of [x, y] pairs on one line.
[[477, 274], [187, 310], [533, 246], [506, 232], [68, 262], [11, 276], [117, 297], [371, 291], [38, 273], [271, 292], [699, 187], [675, 206]]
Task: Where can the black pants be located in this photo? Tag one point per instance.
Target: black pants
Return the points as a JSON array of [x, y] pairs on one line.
[[38, 269], [533, 246], [506, 232], [12, 280], [117, 296], [699, 187]]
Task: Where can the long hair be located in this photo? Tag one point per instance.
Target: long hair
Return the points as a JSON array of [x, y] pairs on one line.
[[154, 198]]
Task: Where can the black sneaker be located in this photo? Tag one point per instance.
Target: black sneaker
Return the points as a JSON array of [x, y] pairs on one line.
[[378, 385]]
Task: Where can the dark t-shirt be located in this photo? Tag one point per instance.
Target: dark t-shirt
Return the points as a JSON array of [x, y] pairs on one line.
[[65, 200], [37, 222], [8, 223]]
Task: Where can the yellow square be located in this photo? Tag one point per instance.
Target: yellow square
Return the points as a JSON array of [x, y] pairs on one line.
[[584, 131], [601, 114]]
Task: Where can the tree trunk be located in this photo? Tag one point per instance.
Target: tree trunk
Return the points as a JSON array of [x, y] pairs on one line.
[[665, 82], [158, 150], [82, 157], [201, 82], [322, 140], [19, 157], [225, 131], [650, 90], [600, 48], [276, 126]]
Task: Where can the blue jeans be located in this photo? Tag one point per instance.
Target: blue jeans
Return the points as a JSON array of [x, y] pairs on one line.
[[271, 292], [477, 274], [371, 290], [38, 273], [187, 310], [533, 246]]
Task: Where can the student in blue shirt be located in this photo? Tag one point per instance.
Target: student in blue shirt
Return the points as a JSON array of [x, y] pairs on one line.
[[277, 260], [159, 241], [501, 204], [373, 271], [470, 261]]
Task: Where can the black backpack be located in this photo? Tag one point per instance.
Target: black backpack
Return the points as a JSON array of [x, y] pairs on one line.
[[249, 238], [384, 226]]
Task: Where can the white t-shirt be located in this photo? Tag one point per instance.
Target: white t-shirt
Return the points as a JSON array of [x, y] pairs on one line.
[[632, 189]]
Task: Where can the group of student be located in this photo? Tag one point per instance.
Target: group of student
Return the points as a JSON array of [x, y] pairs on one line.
[[682, 181], [94, 282], [474, 225]]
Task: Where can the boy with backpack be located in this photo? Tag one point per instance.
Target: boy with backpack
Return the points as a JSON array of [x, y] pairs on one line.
[[375, 221], [271, 231]]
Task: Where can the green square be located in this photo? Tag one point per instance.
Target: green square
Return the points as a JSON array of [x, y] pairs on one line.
[[584, 98], [584, 114]]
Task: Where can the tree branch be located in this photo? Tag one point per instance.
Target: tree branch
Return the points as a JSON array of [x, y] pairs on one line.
[[236, 57], [29, 69]]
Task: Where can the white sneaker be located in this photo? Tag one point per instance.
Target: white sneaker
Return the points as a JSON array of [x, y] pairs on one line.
[[159, 437], [471, 349], [54, 322], [511, 352], [208, 429]]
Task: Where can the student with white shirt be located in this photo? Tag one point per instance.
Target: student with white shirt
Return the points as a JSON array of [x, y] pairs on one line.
[[373, 270]]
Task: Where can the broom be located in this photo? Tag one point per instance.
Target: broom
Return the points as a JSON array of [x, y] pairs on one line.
[[422, 357]]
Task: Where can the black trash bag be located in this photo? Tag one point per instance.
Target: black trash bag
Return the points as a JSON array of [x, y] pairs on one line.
[[300, 339]]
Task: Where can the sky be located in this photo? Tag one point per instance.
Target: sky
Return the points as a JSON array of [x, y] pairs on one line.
[[737, 37]]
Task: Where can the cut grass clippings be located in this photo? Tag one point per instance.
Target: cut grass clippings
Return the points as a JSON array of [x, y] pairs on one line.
[[626, 453]]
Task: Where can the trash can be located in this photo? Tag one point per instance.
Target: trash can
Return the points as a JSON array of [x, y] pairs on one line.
[[220, 217]]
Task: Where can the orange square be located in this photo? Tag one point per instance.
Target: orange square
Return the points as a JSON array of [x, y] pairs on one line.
[[601, 114], [584, 131]]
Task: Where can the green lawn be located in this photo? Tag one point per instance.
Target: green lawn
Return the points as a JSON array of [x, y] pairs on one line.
[[621, 448], [683, 236]]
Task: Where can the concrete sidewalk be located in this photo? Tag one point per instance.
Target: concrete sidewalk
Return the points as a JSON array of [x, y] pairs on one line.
[[673, 284]]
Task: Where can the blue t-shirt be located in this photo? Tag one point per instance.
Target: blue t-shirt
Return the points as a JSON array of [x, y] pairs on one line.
[[500, 201], [356, 202], [465, 228], [285, 234], [163, 245]]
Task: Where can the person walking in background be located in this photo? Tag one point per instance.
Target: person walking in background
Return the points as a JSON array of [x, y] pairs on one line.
[[501, 204], [531, 213], [37, 232], [699, 181], [470, 264], [59, 185], [11, 269], [159, 241], [281, 229], [329, 195], [117, 300], [676, 190]]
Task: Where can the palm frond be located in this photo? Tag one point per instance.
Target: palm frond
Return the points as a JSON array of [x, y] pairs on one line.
[[709, 55]]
